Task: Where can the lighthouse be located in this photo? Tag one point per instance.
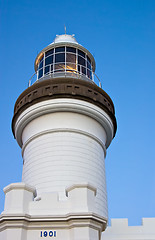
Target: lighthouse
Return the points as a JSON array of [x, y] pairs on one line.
[[64, 122]]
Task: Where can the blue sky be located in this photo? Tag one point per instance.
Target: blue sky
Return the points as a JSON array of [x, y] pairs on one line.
[[121, 35]]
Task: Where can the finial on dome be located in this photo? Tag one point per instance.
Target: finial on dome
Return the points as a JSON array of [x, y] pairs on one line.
[[65, 29]]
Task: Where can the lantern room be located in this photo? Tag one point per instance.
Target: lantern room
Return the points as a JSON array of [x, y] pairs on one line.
[[65, 58]]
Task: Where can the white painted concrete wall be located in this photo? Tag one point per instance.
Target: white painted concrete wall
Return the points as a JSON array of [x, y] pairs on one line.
[[63, 143], [54, 161]]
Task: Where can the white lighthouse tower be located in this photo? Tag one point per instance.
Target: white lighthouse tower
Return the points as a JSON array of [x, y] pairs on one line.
[[64, 123]]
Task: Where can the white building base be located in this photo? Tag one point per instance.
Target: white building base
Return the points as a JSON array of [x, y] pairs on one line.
[[119, 230], [28, 218]]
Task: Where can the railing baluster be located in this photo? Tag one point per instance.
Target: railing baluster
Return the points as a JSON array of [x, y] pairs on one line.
[[67, 72]]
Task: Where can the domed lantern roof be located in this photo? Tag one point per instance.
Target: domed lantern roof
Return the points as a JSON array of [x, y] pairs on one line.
[[65, 38]]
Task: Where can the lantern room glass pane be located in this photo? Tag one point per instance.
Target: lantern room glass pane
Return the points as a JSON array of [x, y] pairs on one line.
[[59, 49], [83, 70], [79, 68], [70, 67], [41, 64], [60, 57], [88, 59], [89, 73], [71, 49], [49, 60], [88, 65], [81, 61], [40, 73], [70, 58], [81, 53], [50, 52], [47, 69], [59, 67]]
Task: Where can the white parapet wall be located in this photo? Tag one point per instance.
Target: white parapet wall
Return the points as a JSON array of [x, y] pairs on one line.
[[27, 217], [119, 230], [17, 198]]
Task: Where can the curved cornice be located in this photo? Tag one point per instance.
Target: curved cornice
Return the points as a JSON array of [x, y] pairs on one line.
[[64, 88]]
